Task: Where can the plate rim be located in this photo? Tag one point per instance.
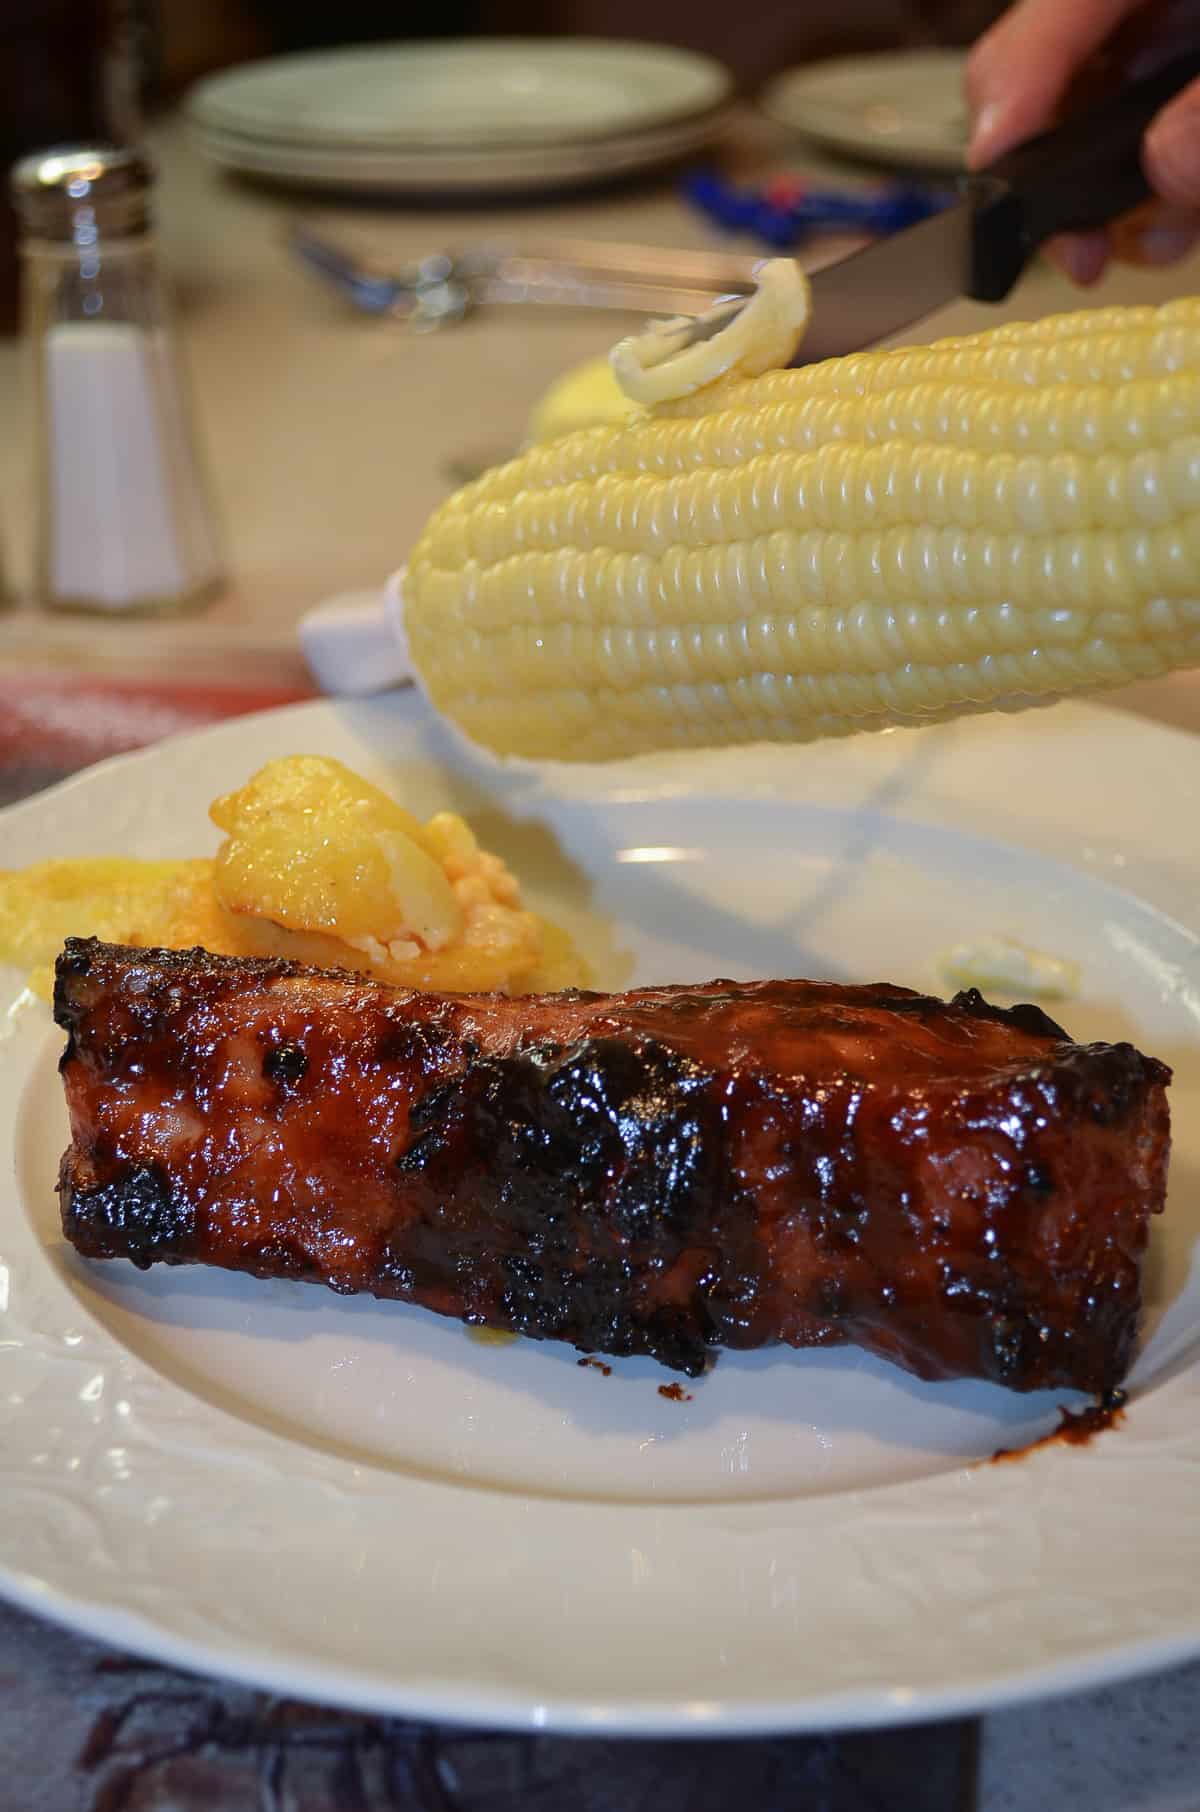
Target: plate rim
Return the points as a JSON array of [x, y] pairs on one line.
[[848, 1707], [469, 172], [852, 1709], [774, 101], [200, 107]]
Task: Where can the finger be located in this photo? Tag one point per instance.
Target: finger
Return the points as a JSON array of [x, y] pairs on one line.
[[1157, 245], [1171, 153], [1083, 257], [1020, 69], [1156, 234], [1160, 246]]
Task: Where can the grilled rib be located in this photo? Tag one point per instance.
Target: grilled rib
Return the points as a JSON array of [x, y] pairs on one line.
[[954, 1186]]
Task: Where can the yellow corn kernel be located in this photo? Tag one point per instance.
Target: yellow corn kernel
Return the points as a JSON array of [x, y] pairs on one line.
[[893, 537]]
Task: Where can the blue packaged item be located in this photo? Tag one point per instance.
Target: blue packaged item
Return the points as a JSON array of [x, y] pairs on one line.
[[786, 211]]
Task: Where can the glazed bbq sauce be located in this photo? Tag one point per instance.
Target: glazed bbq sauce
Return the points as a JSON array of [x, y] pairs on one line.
[[1076, 1427]]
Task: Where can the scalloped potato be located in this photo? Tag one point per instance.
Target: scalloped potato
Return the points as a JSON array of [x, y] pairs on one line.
[[317, 865]]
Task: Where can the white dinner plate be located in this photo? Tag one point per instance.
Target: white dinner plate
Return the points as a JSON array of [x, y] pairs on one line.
[[356, 1501], [479, 92], [895, 107], [473, 114], [451, 170]]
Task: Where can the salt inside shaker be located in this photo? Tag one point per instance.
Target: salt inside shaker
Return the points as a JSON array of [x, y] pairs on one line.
[[123, 517]]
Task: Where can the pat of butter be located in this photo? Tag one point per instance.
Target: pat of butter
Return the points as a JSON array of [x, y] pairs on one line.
[[674, 359], [583, 397], [1009, 967]]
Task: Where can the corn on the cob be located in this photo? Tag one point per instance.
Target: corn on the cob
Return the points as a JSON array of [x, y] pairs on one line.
[[893, 537]]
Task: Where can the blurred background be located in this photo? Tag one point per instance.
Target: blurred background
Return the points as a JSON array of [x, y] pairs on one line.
[[48, 48], [70, 69], [186, 38], [121, 71]]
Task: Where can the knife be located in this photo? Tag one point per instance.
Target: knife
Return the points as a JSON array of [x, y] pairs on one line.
[[1073, 178]]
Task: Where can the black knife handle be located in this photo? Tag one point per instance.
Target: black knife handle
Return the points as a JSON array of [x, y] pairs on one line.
[[1076, 177]]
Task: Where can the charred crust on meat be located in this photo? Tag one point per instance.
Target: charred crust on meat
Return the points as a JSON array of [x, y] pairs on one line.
[[604, 1141], [75, 959], [399, 1278], [72, 965], [423, 1045], [1024, 1017], [603, 1121], [285, 1063], [135, 1215], [423, 1113], [279, 1257]]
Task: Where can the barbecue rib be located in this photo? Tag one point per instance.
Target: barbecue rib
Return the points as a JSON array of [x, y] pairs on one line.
[[957, 1187]]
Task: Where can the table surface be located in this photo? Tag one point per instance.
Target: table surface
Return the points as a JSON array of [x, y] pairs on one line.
[[330, 437]]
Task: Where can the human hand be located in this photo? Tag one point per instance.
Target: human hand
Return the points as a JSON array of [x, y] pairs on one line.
[[1020, 71]]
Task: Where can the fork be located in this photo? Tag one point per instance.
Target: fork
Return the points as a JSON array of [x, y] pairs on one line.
[[444, 287]]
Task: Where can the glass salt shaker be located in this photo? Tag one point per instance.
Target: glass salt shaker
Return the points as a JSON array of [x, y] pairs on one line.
[[124, 524]]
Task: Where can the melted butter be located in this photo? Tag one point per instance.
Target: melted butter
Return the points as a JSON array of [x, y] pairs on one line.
[[586, 396], [671, 360], [1000, 964], [492, 1336], [120, 900]]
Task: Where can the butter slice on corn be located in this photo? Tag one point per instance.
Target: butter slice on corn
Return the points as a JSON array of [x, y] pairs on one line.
[[736, 339], [889, 538]]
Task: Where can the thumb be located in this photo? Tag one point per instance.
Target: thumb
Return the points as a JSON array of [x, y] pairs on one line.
[[1171, 152], [1018, 71]]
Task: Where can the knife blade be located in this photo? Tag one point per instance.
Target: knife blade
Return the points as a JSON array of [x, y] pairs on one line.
[[887, 286], [1076, 177]]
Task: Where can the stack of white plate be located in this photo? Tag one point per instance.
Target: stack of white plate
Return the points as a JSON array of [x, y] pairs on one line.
[[468, 115]]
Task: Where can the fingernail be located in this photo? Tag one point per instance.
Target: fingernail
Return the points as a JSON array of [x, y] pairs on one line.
[[1087, 267], [986, 129], [1172, 161], [1080, 256]]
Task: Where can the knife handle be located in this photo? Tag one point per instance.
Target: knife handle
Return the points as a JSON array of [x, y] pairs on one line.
[[1074, 178]]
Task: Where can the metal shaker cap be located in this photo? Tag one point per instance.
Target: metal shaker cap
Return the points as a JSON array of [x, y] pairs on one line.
[[76, 194]]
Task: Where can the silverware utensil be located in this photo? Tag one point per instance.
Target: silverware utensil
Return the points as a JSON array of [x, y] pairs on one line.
[[444, 287]]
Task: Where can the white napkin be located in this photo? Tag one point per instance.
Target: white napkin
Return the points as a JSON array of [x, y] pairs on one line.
[[355, 643]]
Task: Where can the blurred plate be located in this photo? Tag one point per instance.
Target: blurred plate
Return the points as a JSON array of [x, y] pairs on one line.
[[483, 94], [902, 107], [468, 170]]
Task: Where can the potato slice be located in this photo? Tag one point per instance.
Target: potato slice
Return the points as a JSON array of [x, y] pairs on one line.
[[315, 848]]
